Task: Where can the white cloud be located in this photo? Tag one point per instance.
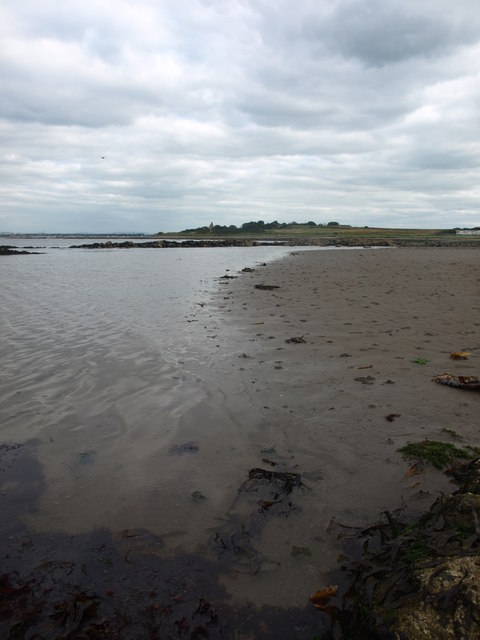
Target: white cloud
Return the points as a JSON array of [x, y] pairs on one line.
[[353, 111]]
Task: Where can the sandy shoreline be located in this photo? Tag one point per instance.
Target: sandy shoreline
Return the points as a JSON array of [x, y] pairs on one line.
[[321, 406], [315, 407]]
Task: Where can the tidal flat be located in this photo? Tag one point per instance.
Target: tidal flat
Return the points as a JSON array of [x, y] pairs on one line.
[[221, 477]]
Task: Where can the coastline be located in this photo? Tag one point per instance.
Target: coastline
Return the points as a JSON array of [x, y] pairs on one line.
[[322, 405], [313, 411]]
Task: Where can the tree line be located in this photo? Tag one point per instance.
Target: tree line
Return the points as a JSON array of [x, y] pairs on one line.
[[256, 227]]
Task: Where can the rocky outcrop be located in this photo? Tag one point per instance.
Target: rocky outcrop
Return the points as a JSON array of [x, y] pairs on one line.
[[167, 244], [289, 242], [8, 250]]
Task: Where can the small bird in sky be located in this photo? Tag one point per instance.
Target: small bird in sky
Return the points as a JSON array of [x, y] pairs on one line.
[[102, 157]]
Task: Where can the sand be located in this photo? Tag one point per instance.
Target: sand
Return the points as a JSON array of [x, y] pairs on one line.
[[320, 406], [316, 406]]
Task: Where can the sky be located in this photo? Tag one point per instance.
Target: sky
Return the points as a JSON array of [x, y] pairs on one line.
[[161, 115]]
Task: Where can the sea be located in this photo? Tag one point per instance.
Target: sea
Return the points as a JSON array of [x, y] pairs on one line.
[[103, 353], [126, 440]]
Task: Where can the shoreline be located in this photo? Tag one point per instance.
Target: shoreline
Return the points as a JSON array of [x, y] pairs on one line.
[[335, 240], [315, 407], [358, 242], [367, 319]]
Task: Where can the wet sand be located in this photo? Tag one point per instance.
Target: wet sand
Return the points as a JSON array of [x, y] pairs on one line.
[[316, 406], [320, 406]]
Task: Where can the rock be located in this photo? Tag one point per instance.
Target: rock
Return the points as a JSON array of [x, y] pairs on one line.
[[420, 580], [8, 250]]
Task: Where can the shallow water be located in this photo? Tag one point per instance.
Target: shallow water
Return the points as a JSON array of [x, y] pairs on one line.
[[102, 356]]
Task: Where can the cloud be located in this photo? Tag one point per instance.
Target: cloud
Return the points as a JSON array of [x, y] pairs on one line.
[[382, 32], [208, 110]]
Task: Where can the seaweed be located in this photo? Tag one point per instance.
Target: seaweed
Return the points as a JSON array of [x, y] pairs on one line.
[[266, 287], [418, 579], [438, 454]]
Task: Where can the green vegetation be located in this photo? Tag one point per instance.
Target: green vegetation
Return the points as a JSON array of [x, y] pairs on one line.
[[439, 454], [415, 551], [301, 552], [260, 227], [419, 360], [325, 232]]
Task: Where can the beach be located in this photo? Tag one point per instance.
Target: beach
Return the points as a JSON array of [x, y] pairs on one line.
[[316, 368], [375, 326]]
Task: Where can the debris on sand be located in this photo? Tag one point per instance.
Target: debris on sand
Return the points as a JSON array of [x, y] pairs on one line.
[[460, 355], [391, 417], [186, 447], [365, 379], [262, 495], [266, 287], [471, 383], [280, 482], [296, 340], [322, 597]]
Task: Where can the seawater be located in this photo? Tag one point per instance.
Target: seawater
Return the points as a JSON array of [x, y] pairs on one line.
[[101, 360]]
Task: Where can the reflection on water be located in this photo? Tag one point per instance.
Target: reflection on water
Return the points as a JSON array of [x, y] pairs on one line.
[[96, 352]]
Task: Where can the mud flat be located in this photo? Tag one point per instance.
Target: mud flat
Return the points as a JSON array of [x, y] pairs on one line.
[[337, 353], [318, 368]]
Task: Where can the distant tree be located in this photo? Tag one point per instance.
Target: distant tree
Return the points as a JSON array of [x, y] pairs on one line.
[[333, 224], [272, 225], [253, 226], [310, 223]]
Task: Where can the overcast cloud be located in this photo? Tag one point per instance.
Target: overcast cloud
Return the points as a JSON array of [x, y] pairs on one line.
[[360, 111]]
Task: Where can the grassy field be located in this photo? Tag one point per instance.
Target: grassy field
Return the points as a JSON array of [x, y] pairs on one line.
[[342, 233]]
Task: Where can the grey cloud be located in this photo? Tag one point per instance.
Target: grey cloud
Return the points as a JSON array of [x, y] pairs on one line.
[[380, 32]]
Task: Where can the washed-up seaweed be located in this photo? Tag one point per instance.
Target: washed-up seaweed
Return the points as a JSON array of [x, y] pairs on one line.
[[266, 287], [416, 578], [263, 494]]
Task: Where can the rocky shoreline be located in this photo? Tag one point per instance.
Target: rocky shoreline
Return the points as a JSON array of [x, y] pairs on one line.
[[10, 250], [290, 242], [250, 242]]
